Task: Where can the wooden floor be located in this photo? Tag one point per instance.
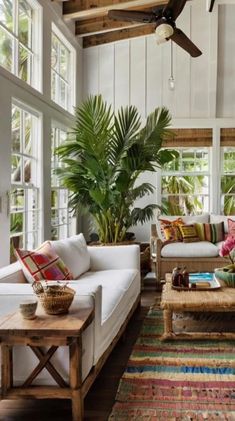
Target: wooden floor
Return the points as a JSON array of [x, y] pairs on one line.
[[100, 399]]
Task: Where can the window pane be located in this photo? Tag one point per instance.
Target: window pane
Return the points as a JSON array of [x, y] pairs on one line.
[[183, 190], [64, 62], [6, 16], [27, 170], [24, 201], [53, 85], [24, 64], [27, 133], [61, 80], [63, 94], [55, 53], [6, 49], [15, 130], [24, 23], [17, 200], [16, 175], [17, 222]]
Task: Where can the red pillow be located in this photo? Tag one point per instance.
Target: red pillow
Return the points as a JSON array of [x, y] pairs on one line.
[[42, 263], [231, 227]]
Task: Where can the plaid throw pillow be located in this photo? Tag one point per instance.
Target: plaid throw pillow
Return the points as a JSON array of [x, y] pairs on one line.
[[189, 233], [42, 263], [210, 232]]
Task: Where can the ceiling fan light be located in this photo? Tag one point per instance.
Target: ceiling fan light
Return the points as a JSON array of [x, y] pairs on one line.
[[164, 31]]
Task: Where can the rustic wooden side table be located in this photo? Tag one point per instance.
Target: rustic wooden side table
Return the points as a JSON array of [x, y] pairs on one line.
[[221, 300], [45, 331]]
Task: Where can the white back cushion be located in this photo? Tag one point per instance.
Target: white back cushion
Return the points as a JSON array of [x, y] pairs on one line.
[[73, 251]]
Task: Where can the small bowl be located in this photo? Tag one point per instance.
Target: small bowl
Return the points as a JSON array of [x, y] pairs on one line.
[[28, 309]]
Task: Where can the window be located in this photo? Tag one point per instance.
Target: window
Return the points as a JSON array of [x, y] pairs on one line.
[[19, 49], [62, 71], [24, 194], [185, 182], [61, 219], [228, 181]]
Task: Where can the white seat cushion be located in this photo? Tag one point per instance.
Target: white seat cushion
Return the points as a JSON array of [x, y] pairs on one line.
[[114, 284], [73, 251], [197, 249]]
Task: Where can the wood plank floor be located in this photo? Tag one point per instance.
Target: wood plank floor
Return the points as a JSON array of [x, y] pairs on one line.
[[100, 399]]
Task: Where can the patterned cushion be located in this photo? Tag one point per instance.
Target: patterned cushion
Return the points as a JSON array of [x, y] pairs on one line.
[[189, 233], [42, 263], [210, 232], [231, 227], [170, 229]]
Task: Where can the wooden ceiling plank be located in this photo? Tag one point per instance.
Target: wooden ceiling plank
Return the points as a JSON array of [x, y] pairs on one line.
[[87, 9], [95, 26], [126, 33]]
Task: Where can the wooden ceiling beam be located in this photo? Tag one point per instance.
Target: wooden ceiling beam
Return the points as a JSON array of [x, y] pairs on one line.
[[126, 33], [99, 25], [88, 9]]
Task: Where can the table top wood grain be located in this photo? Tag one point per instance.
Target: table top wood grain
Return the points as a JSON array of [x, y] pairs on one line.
[[70, 324]]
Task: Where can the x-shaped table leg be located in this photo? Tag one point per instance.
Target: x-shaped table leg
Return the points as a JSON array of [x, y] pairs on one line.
[[44, 362]]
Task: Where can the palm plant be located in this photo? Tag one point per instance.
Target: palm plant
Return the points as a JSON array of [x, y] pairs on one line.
[[104, 156]]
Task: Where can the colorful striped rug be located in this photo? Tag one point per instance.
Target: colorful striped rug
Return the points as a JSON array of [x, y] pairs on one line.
[[176, 380]]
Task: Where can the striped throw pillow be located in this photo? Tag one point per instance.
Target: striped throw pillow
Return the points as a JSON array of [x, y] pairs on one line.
[[189, 233], [211, 232], [42, 263]]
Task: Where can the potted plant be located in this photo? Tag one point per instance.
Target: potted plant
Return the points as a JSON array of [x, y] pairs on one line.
[[104, 155]]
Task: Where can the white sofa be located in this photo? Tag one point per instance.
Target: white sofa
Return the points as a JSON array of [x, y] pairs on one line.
[[111, 284], [202, 256]]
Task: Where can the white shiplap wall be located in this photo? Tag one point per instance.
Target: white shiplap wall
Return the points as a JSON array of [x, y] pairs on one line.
[[136, 72]]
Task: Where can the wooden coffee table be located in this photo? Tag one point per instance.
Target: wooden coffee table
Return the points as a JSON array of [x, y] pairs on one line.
[[221, 300], [51, 332]]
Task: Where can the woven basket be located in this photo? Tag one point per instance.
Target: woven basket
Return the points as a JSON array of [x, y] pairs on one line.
[[55, 299]]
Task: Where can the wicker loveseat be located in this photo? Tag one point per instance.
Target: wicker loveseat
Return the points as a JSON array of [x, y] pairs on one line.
[[201, 256]]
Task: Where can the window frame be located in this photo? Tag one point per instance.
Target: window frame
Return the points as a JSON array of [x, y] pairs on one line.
[[71, 82], [36, 159], [182, 172], [57, 129], [225, 174], [35, 50]]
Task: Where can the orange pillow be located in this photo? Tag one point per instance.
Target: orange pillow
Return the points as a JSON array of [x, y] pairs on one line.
[[170, 229]]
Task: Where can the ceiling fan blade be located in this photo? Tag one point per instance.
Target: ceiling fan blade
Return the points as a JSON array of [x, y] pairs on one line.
[[211, 5], [132, 16], [174, 8], [183, 41]]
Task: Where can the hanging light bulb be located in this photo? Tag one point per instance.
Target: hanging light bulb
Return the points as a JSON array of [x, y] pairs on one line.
[[171, 80]]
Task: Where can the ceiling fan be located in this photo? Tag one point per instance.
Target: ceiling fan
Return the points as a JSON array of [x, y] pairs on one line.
[[164, 18], [210, 5]]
